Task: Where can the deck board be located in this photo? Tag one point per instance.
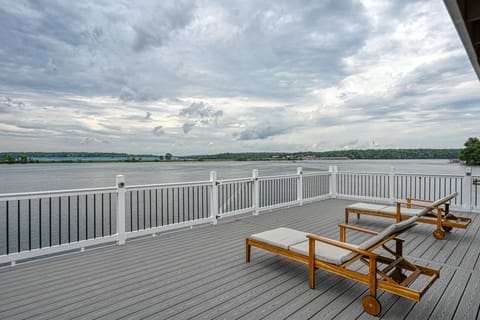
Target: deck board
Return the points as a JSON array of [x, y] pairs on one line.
[[469, 305], [200, 273], [445, 308]]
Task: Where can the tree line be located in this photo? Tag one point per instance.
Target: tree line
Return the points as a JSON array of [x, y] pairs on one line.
[[346, 154], [37, 157]]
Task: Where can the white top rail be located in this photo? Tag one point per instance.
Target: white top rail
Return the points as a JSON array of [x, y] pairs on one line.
[[167, 185], [316, 173], [236, 180], [53, 193], [428, 175], [401, 174], [278, 177], [363, 172]]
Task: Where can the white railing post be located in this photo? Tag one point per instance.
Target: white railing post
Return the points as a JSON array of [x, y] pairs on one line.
[[467, 189], [214, 197], [120, 183], [300, 186], [256, 192], [333, 181], [391, 185]]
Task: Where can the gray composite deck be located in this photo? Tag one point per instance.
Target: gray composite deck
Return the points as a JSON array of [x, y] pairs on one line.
[[200, 273]]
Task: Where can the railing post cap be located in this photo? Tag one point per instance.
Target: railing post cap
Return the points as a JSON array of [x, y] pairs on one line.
[[299, 170], [213, 175], [468, 171], [255, 173], [120, 181]]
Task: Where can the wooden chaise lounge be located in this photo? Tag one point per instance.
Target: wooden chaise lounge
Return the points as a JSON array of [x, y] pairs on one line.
[[388, 270], [430, 212]]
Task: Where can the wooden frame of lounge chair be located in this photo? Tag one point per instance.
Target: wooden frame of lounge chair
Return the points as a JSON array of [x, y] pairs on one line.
[[438, 215], [390, 278]]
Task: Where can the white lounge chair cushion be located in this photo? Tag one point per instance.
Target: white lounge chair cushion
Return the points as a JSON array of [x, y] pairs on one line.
[[437, 203], [403, 210], [281, 237], [326, 252], [444, 200], [396, 227], [367, 206]]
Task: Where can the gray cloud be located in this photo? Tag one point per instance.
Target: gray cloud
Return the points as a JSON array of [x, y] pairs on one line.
[[198, 113], [187, 127], [161, 23], [261, 46], [270, 122], [158, 131], [7, 104], [146, 118], [261, 133], [202, 111], [93, 140], [243, 75]]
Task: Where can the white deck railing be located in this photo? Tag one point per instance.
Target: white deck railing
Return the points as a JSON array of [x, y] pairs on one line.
[[392, 186], [42, 223]]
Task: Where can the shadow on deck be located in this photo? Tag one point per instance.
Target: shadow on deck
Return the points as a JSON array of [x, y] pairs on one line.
[[201, 274]]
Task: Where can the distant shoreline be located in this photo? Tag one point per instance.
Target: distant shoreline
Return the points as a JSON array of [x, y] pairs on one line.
[[89, 161], [41, 162], [99, 157]]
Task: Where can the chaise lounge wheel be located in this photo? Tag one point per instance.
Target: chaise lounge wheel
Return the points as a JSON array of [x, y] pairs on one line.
[[448, 229], [439, 234], [371, 305]]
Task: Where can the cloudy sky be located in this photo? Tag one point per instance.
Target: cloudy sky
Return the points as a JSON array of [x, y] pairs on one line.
[[210, 76]]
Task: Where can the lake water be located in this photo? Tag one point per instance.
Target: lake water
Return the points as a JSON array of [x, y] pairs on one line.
[[41, 177]]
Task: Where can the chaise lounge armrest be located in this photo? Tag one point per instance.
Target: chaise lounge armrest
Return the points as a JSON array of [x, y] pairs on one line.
[[427, 207], [344, 227], [341, 245], [415, 204], [347, 226], [419, 200]]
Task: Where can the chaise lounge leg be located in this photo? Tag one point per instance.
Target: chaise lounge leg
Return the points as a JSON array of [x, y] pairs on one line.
[[370, 303], [397, 274], [439, 233], [247, 251], [447, 215], [311, 263], [346, 216]]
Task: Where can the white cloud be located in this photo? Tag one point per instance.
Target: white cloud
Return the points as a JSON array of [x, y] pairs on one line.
[[176, 76]]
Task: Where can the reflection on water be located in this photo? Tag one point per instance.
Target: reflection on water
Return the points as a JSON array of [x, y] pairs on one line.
[[38, 177]]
